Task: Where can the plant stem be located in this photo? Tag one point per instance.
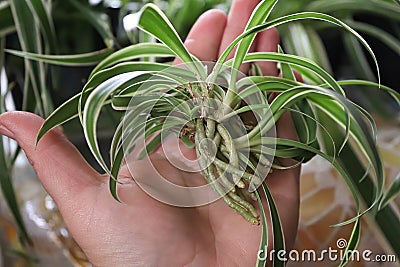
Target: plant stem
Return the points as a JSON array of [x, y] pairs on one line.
[[233, 157], [229, 184], [233, 200], [210, 129], [244, 203], [234, 171]]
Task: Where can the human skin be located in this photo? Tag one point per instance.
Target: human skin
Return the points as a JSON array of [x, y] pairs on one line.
[[142, 231]]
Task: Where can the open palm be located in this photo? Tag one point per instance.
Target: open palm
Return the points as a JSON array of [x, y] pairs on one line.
[[142, 231]]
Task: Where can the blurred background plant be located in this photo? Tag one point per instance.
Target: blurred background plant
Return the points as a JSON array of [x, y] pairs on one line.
[[79, 33], [340, 53]]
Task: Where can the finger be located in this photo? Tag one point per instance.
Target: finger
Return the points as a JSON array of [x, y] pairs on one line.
[[237, 19], [204, 38], [267, 41], [60, 167]]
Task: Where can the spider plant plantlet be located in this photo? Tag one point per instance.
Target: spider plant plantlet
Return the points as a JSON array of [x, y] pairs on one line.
[[228, 118]]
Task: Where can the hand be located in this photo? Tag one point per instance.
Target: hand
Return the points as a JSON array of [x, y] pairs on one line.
[[142, 231]]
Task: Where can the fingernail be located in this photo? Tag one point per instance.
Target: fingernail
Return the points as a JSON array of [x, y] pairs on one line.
[[6, 132]]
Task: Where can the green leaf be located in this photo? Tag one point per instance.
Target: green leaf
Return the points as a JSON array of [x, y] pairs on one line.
[[92, 108], [302, 114], [36, 95], [295, 61], [361, 132], [117, 154], [394, 94], [259, 15], [253, 85], [115, 168], [6, 20], [41, 10], [264, 235], [65, 112], [332, 20], [304, 41], [151, 15], [352, 243], [144, 68], [134, 52], [131, 95], [125, 67], [286, 70], [304, 16], [391, 193], [279, 241], [65, 60]]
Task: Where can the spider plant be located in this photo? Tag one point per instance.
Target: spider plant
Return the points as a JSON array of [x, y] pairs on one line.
[[228, 117]]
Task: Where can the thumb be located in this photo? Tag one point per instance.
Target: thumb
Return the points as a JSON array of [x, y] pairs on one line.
[[61, 169]]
